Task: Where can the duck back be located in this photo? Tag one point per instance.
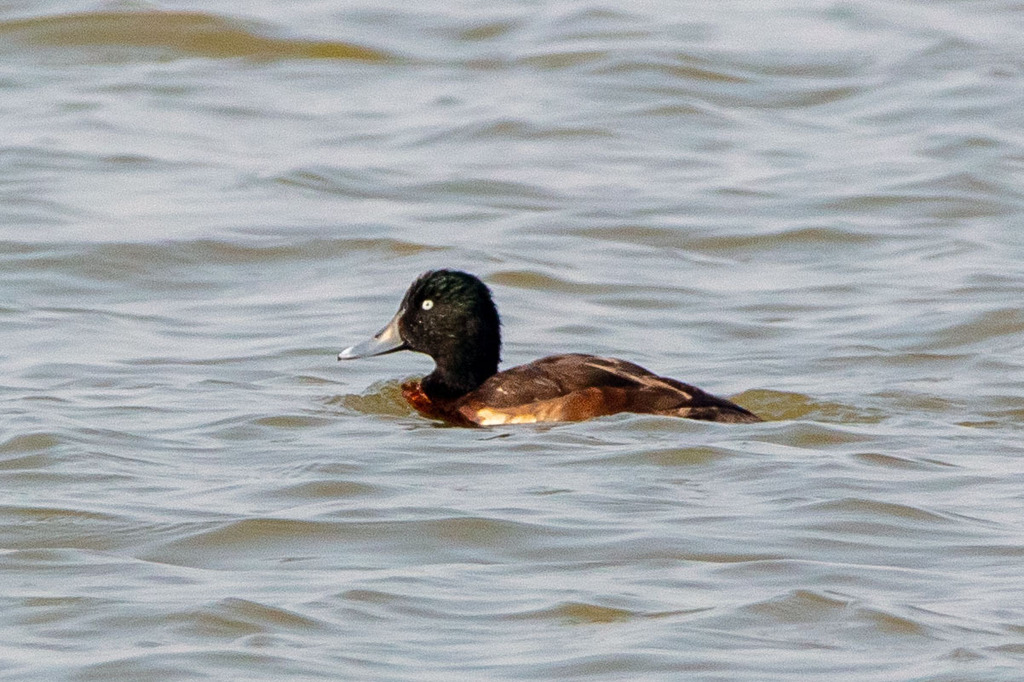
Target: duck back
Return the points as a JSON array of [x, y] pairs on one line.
[[574, 387]]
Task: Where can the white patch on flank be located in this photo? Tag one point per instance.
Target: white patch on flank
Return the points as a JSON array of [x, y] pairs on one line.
[[487, 417]]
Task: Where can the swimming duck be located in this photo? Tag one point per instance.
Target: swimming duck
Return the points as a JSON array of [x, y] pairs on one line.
[[450, 316]]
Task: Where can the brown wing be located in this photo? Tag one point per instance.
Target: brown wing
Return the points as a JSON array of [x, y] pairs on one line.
[[575, 386]]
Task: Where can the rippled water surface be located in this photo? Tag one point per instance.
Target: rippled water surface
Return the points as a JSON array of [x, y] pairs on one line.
[[812, 207]]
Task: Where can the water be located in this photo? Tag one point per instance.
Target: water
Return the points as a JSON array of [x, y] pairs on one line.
[[811, 207]]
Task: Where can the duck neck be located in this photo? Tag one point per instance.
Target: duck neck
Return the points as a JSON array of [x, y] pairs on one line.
[[460, 373]]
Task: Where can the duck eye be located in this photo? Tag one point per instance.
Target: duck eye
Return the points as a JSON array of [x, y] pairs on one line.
[[427, 304]]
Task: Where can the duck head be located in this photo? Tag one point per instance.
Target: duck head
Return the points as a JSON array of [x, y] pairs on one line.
[[450, 316]]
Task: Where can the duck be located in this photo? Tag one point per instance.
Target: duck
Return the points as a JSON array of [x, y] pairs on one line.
[[450, 316]]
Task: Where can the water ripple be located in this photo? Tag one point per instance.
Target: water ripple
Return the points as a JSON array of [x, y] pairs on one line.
[[186, 34]]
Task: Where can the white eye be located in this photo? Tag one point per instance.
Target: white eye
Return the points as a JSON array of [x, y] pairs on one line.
[[427, 304]]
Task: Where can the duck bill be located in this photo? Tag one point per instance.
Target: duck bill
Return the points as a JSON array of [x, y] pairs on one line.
[[387, 340]]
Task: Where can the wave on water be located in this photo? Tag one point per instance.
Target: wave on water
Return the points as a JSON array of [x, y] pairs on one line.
[[383, 398], [175, 34]]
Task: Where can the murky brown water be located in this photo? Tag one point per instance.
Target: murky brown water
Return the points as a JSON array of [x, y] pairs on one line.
[[812, 207]]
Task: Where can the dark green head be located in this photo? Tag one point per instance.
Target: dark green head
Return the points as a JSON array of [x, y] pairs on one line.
[[450, 316]]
